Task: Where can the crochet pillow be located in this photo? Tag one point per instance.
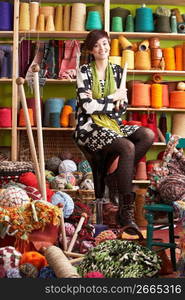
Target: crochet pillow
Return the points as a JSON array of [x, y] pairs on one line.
[[9, 257], [13, 196]]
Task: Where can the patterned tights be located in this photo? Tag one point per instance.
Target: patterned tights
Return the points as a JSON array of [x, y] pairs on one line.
[[130, 150]]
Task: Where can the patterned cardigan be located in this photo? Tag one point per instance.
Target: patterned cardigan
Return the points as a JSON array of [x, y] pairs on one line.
[[87, 106]]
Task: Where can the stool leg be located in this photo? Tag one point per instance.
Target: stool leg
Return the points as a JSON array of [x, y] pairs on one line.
[[149, 238], [172, 239]]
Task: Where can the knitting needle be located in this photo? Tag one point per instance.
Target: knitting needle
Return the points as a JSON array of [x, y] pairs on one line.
[[20, 83], [63, 230], [78, 228], [35, 70], [120, 103]]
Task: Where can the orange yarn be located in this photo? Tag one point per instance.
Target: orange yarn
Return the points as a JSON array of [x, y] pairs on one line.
[[142, 60], [177, 99], [22, 121], [114, 48], [178, 58], [156, 95], [34, 258], [64, 119], [169, 58], [141, 94], [165, 95]]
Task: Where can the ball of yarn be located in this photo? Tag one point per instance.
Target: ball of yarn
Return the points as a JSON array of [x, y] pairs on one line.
[[49, 175], [46, 272], [2, 272], [69, 228], [67, 165], [94, 275], [34, 258], [29, 179], [9, 257], [69, 178], [13, 196], [52, 164], [181, 86], [13, 273], [65, 200], [84, 167], [65, 155], [87, 184], [28, 270], [105, 235]]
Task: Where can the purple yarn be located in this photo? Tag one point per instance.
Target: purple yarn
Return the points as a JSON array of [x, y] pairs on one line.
[[6, 61], [6, 19], [13, 273]]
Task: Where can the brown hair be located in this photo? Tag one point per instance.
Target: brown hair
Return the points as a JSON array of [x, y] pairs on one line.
[[93, 37]]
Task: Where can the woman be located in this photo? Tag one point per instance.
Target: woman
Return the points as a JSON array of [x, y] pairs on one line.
[[99, 123]]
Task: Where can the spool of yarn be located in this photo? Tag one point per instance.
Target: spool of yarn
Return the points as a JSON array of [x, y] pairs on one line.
[[59, 18], [169, 57], [181, 86], [178, 124], [72, 120], [41, 23], [52, 105], [98, 8], [67, 14], [115, 60], [31, 104], [157, 78], [72, 103], [127, 56], [50, 24], [78, 17], [183, 56], [117, 25], [156, 95], [114, 48], [6, 20], [173, 23], [162, 24], [129, 27], [142, 60], [178, 58], [34, 13], [165, 95], [177, 99], [54, 120], [119, 12], [141, 95], [47, 11], [93, 21], [156, 56], [181, 27], [124, 42], [24, 16], [64, 118], [22, 121], [176, 12], [154, 42], [144, 45], [59, 263], [163, 123], [129, 86], [144, 19], [5, 117]]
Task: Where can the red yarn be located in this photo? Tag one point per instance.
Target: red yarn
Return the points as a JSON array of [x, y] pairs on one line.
[[29, 179], [94, 275], [34, 258]]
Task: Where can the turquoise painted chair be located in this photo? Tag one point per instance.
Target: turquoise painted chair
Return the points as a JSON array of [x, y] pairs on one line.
[[150, 210]]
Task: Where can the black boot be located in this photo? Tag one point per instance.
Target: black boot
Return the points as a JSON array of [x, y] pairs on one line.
[[125, 214]]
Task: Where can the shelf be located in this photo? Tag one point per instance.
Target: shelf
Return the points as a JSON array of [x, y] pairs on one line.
[[141, 181], [163, 72], [54, 34], [49, 128], [148, 35], [6, 34], [61, 81], [5, 128], [5, 80], [156, 109], [152, 2]]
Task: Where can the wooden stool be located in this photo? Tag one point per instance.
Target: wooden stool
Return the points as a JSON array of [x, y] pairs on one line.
[[150, 209]]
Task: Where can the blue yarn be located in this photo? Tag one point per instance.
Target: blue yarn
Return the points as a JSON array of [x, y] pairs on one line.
[[72, 103], [52, 105], [46, 272], [144, 20], [66, 200], [6, 19], [84, 167]]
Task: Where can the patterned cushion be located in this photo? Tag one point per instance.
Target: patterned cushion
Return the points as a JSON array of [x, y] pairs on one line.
[[9, 257], [33, 193]]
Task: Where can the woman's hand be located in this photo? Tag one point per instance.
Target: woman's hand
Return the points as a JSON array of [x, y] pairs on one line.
[[119, 97]]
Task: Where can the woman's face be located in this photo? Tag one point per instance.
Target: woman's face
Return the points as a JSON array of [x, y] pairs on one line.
[[101, 49]]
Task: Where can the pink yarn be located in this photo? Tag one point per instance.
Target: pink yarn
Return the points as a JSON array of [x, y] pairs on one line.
[[94, 275], [105, 235]]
